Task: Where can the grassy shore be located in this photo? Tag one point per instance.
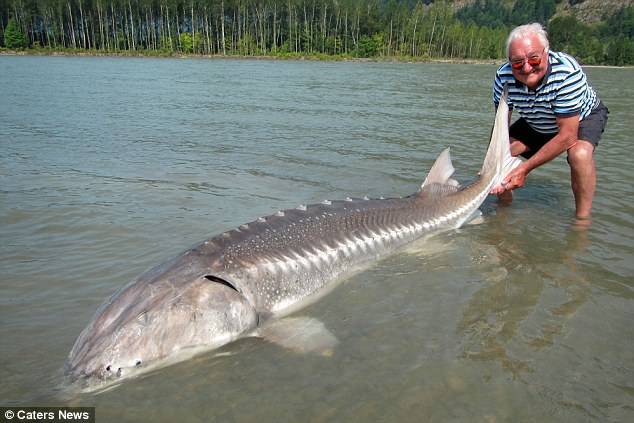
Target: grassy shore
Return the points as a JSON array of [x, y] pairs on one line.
[[271, 56]]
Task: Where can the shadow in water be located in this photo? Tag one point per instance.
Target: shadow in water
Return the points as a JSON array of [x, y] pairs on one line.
[[533, 285]]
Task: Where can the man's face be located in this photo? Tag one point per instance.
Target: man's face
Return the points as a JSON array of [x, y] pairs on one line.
[[525, 51]]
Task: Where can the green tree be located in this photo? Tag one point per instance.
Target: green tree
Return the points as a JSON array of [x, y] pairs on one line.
[[620, 23], [620, 51], [525, 11], [419, 28], [14, 37], [187, 43], [370, 46], [489, 13], [567, 34]]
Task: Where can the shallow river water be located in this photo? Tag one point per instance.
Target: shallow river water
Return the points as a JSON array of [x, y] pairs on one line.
[[109, 166]]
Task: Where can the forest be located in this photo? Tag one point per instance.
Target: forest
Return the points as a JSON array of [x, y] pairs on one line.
[[413, 30]]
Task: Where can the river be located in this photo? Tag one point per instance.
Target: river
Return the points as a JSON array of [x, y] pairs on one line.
[[109, 166]]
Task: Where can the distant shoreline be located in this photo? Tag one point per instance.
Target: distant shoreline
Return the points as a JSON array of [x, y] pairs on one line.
[[282, 57], [292, 56]]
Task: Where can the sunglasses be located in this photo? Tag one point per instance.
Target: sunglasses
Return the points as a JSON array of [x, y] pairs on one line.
[[533, 61]]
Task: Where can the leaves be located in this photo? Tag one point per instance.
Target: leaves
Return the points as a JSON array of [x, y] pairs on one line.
[[14, 38], [291, 28]]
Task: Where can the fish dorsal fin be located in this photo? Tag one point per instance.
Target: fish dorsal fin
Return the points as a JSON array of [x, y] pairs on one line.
[[440, 173]]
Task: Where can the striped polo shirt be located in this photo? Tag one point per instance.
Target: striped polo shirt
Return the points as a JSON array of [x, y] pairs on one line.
[[563, 92]]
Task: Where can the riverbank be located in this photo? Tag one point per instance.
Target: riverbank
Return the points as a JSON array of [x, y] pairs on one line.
[[279, 56]]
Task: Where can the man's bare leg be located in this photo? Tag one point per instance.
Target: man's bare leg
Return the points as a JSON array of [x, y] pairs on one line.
[[583, 177]]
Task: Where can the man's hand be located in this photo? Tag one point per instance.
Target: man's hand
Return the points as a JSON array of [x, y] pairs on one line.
[[566, 138], [515, 179]]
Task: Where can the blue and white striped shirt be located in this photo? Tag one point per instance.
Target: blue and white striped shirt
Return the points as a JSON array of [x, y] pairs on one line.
[[563, 92]]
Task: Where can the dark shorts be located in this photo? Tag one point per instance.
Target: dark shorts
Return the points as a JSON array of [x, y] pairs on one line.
[[590, 129]]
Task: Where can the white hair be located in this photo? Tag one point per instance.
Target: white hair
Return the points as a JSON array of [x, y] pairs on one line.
[[525, 30]]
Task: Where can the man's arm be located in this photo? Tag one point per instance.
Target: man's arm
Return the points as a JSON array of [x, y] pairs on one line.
[[566, 138]]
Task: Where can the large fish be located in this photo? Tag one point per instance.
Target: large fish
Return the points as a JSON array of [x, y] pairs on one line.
[[242, 280]]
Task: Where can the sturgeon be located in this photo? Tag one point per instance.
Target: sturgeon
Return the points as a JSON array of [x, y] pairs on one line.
[[232, 284]]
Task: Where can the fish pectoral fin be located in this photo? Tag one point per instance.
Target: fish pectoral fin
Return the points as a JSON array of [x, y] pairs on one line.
[[430, 245], [300, 334]]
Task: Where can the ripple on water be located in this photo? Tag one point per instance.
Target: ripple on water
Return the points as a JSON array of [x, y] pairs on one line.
[[521, 318]]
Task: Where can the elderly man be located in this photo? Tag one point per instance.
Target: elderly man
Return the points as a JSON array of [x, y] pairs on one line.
[[559, 111]]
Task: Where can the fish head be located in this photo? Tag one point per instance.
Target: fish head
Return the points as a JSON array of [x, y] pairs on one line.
[[165, 316]]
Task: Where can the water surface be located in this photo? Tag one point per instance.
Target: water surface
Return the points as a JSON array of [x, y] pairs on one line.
[[109, 166]]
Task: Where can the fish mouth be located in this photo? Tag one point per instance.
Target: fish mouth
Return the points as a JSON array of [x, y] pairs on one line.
[[82, 381], [102, 373]]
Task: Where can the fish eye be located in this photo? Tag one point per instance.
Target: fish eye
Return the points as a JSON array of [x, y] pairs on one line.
[[137, 363], [108, 367]]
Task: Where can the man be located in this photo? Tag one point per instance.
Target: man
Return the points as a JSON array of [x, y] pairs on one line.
[[559, 111]]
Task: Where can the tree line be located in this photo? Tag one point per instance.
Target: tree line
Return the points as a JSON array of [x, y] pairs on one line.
[[609, 42], [497, 13], [356, 28], [363, 28]]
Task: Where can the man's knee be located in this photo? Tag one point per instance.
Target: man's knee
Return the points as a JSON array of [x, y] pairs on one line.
[[580, 153], [517, 147]]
